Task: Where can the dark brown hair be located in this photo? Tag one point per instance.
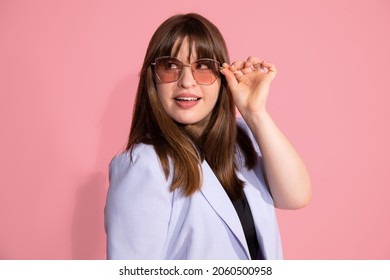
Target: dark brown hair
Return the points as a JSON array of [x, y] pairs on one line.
[[173, 141]]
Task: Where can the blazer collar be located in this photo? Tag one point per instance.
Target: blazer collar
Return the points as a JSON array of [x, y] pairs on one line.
[[215, 194]]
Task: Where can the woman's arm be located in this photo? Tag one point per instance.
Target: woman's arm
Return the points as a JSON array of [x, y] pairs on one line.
[[286, 173], [138, 207]]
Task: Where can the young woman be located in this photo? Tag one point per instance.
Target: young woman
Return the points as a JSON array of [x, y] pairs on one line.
[[194, 181]]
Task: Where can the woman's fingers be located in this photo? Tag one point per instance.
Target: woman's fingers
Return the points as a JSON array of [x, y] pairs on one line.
[[237, 68], [229, 75], [237, 65], [252, 64], [269, 68]]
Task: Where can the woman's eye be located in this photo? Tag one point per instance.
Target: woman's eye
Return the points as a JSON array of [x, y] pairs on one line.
[[171, 65], [203, 66]]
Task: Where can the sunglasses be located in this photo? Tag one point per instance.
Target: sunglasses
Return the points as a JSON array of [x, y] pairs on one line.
[[169, 69]]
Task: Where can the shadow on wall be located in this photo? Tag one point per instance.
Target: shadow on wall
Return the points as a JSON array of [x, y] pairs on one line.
[[88, 235], [88, 240]]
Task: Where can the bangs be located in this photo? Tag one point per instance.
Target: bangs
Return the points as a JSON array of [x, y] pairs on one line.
[[202, 47], [199, 39]]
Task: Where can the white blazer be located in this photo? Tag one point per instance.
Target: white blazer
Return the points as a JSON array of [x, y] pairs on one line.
[[144, 220]]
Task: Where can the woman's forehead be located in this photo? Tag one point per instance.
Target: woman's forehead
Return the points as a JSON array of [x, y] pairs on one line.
[[183, 49]]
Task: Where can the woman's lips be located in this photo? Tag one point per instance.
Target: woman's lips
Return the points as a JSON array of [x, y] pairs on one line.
[[186, 101]]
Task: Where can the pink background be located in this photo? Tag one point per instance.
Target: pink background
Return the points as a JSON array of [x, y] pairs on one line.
[[68, 74]]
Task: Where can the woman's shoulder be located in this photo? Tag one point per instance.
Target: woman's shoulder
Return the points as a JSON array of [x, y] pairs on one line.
[[142, 156], [140, 151]]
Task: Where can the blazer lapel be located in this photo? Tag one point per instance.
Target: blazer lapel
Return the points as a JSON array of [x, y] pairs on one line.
[[215, 194]]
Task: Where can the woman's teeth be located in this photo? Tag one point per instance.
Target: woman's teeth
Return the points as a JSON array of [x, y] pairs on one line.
[[187, 99]]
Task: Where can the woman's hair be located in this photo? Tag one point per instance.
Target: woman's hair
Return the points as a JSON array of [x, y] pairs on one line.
[[173, 141]]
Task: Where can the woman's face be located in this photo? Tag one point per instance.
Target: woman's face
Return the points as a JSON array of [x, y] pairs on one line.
[[186, 101]]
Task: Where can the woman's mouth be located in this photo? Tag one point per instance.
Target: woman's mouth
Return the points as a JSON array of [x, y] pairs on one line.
[[186, 102]]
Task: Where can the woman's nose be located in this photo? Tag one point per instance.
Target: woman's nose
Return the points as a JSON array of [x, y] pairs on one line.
[[186, 79]]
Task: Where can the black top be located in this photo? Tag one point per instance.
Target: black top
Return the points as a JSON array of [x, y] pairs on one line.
[[244, 213]]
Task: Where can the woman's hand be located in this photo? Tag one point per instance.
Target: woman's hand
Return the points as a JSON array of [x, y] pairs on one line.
[[249, 82]]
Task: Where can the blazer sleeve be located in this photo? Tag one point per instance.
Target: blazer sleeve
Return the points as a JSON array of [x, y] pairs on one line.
[[138, 206]]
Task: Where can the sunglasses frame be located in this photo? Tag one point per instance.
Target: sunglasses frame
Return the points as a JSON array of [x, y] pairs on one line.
[[187, 65]]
